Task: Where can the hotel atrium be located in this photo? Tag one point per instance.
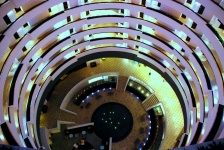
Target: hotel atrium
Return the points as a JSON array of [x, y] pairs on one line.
[[111, 74]]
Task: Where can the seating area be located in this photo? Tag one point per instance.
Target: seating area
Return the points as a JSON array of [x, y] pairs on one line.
[[73, 139], [80, 132], [85, 104], [141, 91], [92, 88]]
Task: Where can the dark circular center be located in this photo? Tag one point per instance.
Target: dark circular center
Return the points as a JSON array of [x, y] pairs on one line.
[[112, 120]]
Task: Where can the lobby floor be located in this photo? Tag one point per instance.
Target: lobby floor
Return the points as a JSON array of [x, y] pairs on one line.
[[84, 114], [125, 67]]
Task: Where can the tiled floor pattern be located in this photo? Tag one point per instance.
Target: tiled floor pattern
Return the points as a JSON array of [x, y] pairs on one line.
[[125, 67]]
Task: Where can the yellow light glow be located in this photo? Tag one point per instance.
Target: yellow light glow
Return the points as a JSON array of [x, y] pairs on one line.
[[16, 119], [31, 129], [103, 35], [37, 54]]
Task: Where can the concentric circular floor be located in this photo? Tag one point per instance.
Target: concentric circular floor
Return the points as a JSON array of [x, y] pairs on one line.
[[112, 120]]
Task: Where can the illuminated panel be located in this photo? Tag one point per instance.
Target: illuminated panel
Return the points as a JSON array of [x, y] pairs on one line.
[[69, 55], [95, 79], [60, 24], [56, 9], [63, 35]]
